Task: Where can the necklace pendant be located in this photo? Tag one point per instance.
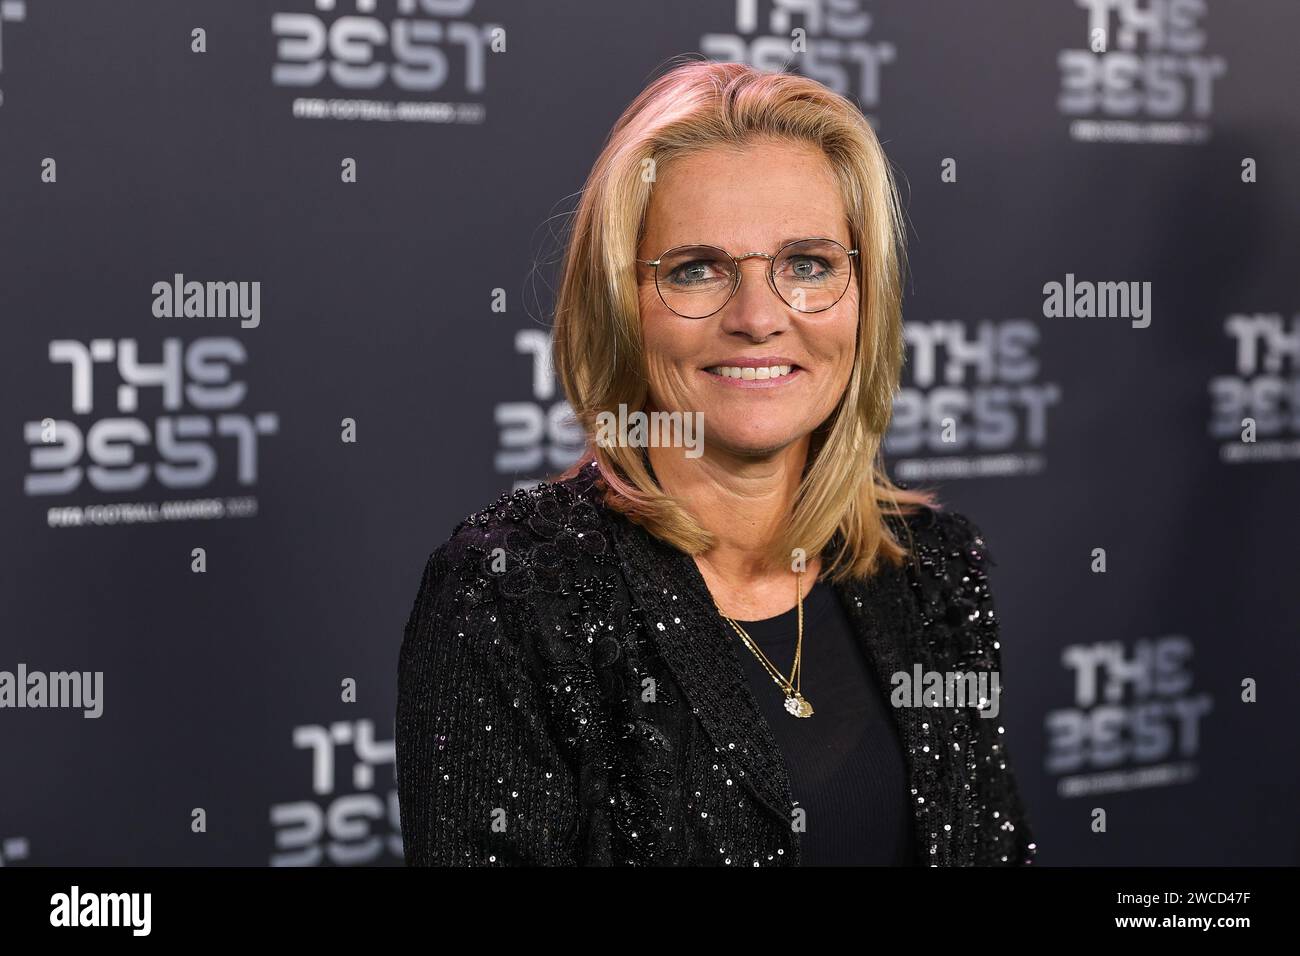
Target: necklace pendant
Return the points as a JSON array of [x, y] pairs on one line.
[[798, 706]]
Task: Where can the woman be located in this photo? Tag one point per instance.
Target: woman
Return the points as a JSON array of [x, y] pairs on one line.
[[609, 668]]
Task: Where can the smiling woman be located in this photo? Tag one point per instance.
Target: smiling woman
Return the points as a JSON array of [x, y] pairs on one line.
[[597, 670]]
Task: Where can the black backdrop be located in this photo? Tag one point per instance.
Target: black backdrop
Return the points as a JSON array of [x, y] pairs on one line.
[[1166, 155]]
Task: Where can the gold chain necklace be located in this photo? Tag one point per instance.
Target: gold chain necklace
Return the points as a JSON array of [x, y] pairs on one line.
[[795, 702]]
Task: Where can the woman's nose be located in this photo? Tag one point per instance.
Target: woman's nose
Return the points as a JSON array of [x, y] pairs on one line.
[[755, 309]]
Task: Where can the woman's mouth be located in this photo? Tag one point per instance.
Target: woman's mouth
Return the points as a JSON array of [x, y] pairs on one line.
[[745, 376]]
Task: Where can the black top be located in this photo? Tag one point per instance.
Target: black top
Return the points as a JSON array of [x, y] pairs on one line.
[[845, 762]]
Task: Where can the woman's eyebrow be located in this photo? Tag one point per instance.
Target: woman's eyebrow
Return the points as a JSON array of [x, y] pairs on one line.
[[809, 235], [780, 243], [789, 239]]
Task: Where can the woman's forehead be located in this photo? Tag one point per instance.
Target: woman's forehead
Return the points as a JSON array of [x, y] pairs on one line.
[[765, 165], [745, 200]]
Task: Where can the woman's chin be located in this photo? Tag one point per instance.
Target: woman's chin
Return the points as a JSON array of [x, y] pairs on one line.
[[750, 443]]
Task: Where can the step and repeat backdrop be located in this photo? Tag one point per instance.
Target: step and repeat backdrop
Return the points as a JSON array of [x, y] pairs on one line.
[[276, 289]]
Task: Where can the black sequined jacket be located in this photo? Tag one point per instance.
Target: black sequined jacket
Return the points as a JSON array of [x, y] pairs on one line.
[[574, 698]]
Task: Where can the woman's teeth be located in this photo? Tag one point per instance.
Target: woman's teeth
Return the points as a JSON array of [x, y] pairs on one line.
[[734, 371]]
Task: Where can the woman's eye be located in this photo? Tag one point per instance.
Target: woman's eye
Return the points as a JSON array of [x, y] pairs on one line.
[[701, 270], [807, 268]]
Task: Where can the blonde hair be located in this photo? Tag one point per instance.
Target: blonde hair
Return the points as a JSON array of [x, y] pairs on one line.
[[598, 355]]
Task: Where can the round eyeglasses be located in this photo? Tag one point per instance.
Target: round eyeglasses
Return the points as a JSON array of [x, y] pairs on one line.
[[809, 275]]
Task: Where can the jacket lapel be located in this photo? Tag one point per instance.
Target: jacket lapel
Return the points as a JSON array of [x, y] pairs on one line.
[[886, 619], [692, 638]]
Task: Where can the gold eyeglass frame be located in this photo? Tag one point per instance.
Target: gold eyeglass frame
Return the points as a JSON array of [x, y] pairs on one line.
[[737, 260]]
